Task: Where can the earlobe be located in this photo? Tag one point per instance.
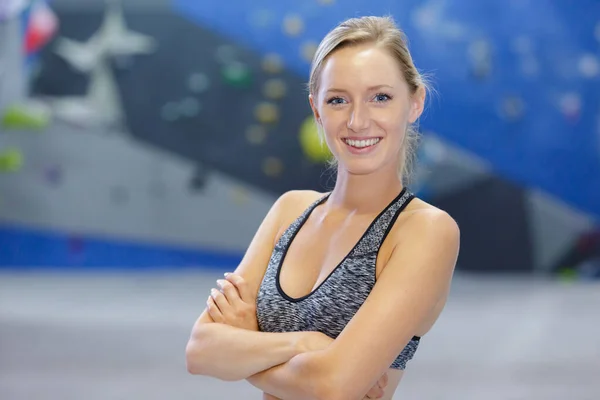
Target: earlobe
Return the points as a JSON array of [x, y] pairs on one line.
[[418, 105], [311, 100]]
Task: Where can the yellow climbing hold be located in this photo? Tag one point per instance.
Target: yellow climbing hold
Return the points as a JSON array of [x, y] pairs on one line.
[[315, 149]]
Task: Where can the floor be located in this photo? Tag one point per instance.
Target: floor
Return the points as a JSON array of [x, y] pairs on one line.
[[122, 336]]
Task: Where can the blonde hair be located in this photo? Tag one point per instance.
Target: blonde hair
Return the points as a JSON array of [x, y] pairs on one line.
[[381, 31]]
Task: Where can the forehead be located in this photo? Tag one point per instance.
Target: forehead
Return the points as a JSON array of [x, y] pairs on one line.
[[365, 65]]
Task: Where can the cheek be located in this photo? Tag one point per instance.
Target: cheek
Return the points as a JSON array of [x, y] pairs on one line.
[[394, 124], [332, 125], [329, 133]]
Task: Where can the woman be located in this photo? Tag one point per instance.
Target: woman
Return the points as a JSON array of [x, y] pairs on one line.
[[336, 289]]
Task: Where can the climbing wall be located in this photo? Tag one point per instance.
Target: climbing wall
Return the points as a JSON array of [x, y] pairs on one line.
[[197, 114], [517, 82]]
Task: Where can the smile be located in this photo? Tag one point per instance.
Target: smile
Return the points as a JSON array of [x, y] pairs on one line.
[[361, 144]]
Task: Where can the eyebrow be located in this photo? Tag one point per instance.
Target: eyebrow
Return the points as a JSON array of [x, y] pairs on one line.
[[376, 87]]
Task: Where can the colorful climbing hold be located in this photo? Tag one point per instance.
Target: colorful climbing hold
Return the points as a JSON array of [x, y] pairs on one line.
[[293, 25], [313, 146], [568, 275], [272, 167], [274, 88], [589, 66], [170, 112], [198, 82], [11, 160], [512, 108], [237, 74], [189, 107], [308, 50], [53, 175], [272, 63], [25, 116], [226, 53], [266, 113], [239, 195], [256, 134]]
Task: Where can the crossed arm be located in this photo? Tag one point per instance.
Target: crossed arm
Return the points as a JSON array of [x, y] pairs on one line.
[[226, 344], [411, 289]]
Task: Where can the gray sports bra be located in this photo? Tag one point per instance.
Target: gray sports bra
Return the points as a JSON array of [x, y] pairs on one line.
[[330, 306]]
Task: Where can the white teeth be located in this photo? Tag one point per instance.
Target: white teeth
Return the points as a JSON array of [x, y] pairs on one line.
[[362, 143]]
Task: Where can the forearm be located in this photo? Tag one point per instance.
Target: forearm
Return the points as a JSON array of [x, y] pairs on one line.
[[230, 353], [301, 378]]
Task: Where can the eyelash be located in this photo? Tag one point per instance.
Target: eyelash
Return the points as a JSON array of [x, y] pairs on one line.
[[388, 98]]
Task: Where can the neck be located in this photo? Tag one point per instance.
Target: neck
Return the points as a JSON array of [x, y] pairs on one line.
[[364, 194]]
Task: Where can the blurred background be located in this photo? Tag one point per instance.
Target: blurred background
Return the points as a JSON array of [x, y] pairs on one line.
[[143, 141]]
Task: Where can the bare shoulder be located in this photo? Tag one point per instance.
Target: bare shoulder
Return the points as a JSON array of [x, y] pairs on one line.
[[423, 216], [426, 244], [427, 225], [292, 204], [294, 197]]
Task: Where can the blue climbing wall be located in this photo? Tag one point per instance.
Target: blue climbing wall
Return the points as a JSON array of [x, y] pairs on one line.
[[518, 82]]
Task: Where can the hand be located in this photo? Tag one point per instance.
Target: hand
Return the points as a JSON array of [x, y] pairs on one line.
[[233, 304], [378, 390]]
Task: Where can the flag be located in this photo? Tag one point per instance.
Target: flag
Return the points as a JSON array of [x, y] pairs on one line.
[[40, 28]]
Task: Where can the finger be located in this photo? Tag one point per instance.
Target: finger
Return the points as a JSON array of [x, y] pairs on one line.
[[220, 300], [242, 286], [230, 292], [375, 393], [214, 311], [383, 381]]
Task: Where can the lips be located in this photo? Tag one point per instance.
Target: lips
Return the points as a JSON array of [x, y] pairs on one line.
[[361, 146], [361, 143]]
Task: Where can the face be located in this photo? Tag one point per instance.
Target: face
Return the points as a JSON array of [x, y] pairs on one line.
[[364, 106]]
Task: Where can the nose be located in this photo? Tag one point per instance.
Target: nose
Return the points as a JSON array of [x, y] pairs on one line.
[[359, 118]]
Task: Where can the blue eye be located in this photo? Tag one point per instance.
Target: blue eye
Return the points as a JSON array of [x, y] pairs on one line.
[[382, 97], [335, 100]]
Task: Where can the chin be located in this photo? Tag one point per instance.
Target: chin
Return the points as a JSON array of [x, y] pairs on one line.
[[364, 167]]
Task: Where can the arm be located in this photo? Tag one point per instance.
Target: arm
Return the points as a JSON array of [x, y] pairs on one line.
[[273, 377], [411, 290], [296, 379], [231, 353]]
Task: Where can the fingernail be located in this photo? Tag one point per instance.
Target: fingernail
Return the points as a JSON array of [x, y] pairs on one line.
[[226, 274], [220, 283], [214, 291]]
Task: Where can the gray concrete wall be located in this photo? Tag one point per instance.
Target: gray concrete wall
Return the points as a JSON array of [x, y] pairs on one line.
[[115, 187]]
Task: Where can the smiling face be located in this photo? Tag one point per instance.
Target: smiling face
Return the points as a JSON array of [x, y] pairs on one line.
[[364, 107]]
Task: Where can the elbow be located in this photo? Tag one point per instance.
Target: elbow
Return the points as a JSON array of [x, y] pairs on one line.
[[199, 362], [194, 359]]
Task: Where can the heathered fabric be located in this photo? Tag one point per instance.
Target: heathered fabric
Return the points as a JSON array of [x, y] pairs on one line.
[[330, 306]]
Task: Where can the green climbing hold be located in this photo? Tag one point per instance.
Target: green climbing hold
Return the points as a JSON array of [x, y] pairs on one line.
[[11, 160], [237, 75], [25, 117], [568, 275]]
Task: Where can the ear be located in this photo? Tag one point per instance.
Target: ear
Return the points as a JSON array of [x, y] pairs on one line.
[[417, 105], [313, 106]]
